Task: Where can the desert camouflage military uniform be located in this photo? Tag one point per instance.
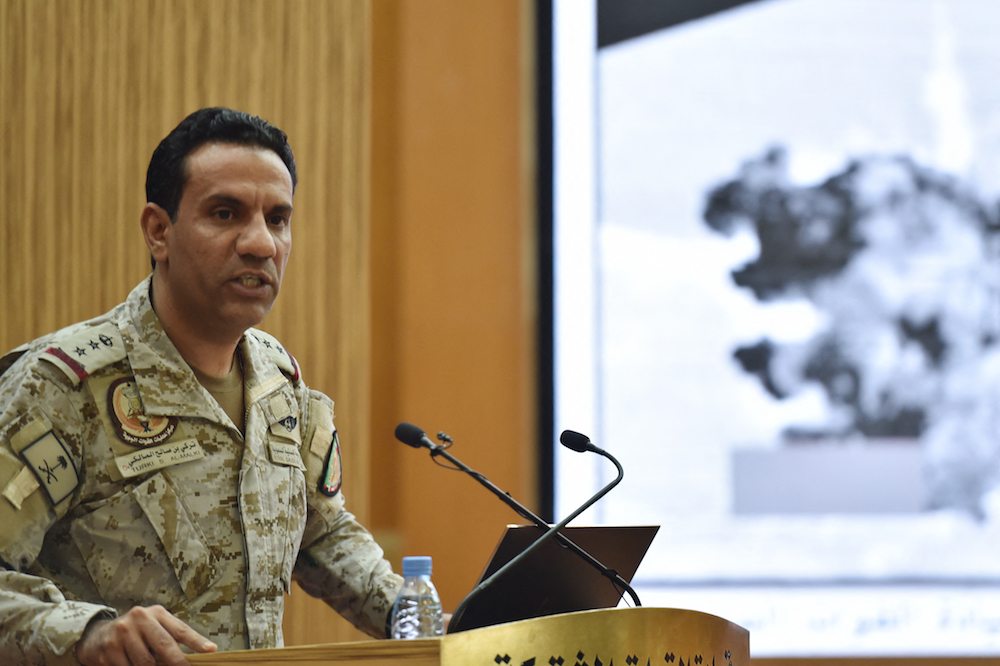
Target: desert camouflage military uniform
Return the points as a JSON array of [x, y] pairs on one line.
[[125, 483]]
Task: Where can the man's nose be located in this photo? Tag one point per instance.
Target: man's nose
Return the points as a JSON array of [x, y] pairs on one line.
[[256, 238]]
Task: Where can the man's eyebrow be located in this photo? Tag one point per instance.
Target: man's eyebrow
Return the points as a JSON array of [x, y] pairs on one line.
[[227, 199], [236, 202]]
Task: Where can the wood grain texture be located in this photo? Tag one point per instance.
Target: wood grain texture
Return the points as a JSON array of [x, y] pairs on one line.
[[91, 86], [423, 652], [453, 282]]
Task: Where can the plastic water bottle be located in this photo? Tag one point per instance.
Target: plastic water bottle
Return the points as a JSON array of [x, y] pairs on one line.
[[417, 612]]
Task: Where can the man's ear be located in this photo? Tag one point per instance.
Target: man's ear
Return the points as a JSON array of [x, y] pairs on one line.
[[156, 231]]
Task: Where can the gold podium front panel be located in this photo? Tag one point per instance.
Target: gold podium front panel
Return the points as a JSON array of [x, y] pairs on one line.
[[622, 637]]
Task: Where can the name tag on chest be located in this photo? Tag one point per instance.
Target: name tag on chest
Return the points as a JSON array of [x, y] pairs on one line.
[[157, 457], [285, 454]]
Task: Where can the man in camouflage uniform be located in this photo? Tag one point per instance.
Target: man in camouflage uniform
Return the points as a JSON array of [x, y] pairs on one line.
[[165, 472]]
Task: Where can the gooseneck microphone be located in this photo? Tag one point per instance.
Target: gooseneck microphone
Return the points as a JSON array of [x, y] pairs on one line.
[[578, 442], [413, 436], [575, 441]]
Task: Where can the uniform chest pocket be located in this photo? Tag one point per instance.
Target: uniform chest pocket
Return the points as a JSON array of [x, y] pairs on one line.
[[143, 546], [295, 517], [285, 479]]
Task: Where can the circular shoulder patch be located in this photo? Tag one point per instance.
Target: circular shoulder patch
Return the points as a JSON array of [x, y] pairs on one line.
[[132, 425]]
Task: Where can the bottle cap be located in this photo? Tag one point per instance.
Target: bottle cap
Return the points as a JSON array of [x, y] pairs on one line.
[[416, 565]]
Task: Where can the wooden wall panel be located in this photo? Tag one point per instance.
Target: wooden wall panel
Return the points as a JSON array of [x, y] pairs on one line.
[[454, 290], [88, 89]]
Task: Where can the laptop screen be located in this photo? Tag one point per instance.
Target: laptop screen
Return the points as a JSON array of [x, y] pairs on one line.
[[553, 579]]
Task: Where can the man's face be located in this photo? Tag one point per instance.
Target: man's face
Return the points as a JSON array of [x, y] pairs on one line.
[[227, 248]]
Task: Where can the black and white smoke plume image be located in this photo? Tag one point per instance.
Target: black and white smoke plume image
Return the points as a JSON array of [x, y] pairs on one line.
[[903, 264]]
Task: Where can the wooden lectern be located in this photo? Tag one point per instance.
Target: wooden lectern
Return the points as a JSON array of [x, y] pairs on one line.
[[619, 637]]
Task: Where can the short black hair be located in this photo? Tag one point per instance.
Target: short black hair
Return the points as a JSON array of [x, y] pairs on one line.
[[167, 173]]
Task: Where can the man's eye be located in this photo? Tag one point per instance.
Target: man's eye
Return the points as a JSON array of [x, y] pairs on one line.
[[279, 220], [224, 214]]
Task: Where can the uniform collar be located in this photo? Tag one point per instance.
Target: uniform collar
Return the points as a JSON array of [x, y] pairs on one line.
[[166, 383]]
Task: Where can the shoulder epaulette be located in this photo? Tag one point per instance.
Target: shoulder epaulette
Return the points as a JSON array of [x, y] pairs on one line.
[[10, 358], [85, 351], [277, 353]]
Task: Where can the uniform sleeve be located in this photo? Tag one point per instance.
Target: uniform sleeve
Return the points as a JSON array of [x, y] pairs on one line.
[[339, 560], [39, 470], [41, 626]]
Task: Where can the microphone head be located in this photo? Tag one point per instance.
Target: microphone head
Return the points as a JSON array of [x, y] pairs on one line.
[[410, 435], [575, 440]]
